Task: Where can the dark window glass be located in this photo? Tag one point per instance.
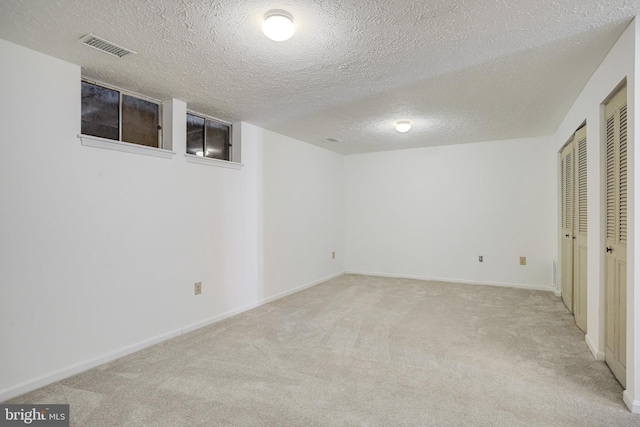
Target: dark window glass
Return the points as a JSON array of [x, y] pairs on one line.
[[100, 111], [217, 140], [140, 120], [207, 138], [195, 135]]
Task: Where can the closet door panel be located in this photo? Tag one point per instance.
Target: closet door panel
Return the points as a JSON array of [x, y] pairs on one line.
[[616, 234]]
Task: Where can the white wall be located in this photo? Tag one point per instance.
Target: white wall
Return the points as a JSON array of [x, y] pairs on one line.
[[303, 211], [99, 250], [430, 212], [618, 65]]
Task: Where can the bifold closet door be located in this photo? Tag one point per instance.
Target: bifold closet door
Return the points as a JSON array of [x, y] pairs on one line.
[[580, 229], [567, 202], [616, 235]]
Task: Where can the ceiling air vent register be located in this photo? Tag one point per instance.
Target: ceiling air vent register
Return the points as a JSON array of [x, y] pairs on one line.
[[105, 46]]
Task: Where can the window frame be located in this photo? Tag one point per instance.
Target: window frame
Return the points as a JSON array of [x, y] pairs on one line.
[[119, 141], [205, 159]]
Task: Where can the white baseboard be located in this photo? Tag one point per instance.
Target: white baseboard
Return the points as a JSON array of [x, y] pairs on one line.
[[76, 368], [301, 288], [68, 371], [632, 405], [230, 313], [598, 355], [548, 288]]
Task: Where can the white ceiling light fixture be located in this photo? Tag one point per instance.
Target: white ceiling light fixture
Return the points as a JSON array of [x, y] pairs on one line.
[[403, 126], [278, 25]]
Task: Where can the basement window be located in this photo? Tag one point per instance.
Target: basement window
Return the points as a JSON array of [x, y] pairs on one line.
[[113, 114], [208, 138]]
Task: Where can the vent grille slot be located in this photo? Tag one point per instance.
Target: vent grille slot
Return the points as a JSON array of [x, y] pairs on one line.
[[611, 178], [622, 205], [582, 186], [568, 191], [105, 46]]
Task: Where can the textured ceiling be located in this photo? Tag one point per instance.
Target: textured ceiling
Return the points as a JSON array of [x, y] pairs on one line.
[[460, 70]]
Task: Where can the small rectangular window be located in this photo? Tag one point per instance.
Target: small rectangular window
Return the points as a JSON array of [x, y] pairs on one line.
[[208, 138], [217, 140], [195, 134], [100, 111], [140, 120], [111, 114]]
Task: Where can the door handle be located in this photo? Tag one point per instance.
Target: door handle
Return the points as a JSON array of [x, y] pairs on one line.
[[566, 235], [609, 249], [574, 237]]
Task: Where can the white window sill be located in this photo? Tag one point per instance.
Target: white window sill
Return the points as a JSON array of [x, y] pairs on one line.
[[212, 162], [125, 147]]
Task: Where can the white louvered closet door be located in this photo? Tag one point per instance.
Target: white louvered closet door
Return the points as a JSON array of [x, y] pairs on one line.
[[580, 229], [616, 235], [567, 202]]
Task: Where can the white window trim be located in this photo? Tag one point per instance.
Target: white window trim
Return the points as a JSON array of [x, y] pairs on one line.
[[125, 147], [212, 162]]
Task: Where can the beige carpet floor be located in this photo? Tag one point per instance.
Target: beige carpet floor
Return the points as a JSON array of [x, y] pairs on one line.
[[360, 350]]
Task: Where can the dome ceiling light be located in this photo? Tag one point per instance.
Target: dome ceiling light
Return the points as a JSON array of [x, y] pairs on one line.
[[278, 25], [403, 126]]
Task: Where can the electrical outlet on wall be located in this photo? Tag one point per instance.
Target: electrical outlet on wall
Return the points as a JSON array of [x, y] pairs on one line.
[[333, 255], [198, 288], [523, 260], [480, 258]]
